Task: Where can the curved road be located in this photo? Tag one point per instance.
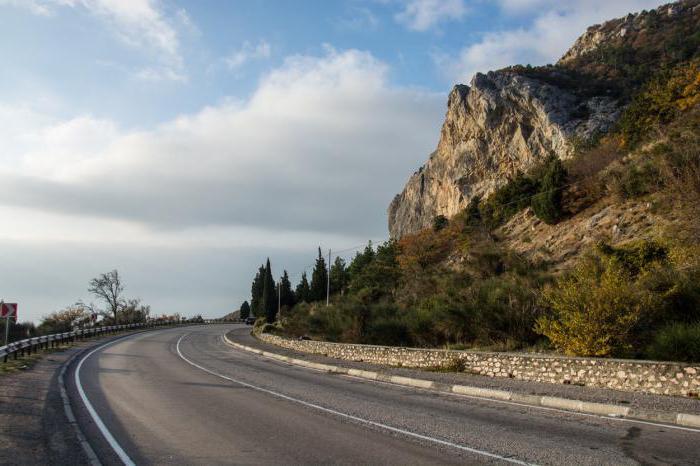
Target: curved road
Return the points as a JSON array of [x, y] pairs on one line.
[[182, 396]]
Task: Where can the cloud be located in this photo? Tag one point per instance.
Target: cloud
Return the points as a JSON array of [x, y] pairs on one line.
[[37, 7], [157, 74], [321, 141], [358, 19], [549, 34], [313, 157], [248, 52], [421, 15], [140, 24]]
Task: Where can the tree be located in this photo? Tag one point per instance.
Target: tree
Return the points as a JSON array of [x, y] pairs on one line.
[[339, 276], [360, 261], [65, 320], [319, 279], [134, 312], [303, 290], [256, 291], [269, 301], [381, 275], [108, 287], [287, 297], [546, 204], [245, 310]]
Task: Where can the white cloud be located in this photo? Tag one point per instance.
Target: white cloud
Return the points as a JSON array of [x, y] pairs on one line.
[[421, 15], [313, 157], [318, 142], [248, 52], [37, 7], [139, 23], [545, 40], [157, 74], [358, 19]]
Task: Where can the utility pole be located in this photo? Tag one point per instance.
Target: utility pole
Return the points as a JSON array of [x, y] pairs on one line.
[[279, 299], [328, 284], [7, 325]]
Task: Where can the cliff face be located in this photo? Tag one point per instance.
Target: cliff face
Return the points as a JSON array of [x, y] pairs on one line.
[[502, 123], [507, 121]]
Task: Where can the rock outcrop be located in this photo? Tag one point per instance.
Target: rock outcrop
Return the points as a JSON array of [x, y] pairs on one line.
[[502, 123], [507, 121]]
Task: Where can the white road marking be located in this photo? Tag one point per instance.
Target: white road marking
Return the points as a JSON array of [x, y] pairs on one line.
[[348, 416], [95, 417], [481, 398]]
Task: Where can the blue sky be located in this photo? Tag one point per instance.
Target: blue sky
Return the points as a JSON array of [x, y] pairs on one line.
[[183, 142]]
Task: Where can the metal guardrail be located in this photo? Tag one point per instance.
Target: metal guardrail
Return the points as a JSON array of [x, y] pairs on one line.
[[30, 345]]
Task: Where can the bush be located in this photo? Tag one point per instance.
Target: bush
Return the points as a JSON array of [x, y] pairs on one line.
[[677, 342], [440, 222], [508, 200], [472, 215], [594, 309], [631, 181], [267, 328]]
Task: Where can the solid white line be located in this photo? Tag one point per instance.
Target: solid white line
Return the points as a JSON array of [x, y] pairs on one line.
[[492, 400], [95, 417], [348, 416]]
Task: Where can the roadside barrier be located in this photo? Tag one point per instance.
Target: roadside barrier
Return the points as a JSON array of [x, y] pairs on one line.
[[30, 345]]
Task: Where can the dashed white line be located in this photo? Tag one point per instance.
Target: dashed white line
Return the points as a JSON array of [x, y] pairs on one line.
[[349, 416]]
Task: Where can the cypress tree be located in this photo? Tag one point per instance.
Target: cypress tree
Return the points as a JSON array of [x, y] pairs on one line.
[[360, 261], [546, 204], [269, 298], [319, 279], [256, 291], [287, 297], [303, 289], [245, 310], [339, 276]]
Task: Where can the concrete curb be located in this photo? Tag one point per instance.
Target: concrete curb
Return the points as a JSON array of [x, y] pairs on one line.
[[586, 407]]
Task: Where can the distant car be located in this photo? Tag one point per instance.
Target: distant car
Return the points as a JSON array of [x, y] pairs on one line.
[[250, 320]]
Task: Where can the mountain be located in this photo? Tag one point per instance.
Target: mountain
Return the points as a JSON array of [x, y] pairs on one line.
[[508, 122]]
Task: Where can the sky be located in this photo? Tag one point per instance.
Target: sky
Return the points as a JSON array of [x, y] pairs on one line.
[[184, 142]]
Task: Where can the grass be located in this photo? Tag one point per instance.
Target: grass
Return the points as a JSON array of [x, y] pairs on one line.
[[26, 362]]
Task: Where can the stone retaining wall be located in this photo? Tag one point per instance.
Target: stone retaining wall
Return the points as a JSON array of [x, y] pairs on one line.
[[643, 376]]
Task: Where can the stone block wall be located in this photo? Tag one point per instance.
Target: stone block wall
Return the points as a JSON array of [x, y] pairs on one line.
[[666, 378]]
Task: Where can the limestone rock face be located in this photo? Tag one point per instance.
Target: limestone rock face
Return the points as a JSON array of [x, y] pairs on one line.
[[631, 29], [502, 123], [507, 121]]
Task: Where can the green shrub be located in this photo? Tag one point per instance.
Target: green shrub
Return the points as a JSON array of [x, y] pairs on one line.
[[632, 181], [267, 328], [677, 342], [508, 200], [595, 309], [472, 215], [440, 222]]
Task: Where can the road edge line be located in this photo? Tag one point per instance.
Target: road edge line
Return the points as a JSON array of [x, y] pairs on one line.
[[68, 411], [606, 410], [408, 433]]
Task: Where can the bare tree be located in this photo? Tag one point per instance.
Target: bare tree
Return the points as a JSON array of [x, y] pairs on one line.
[[108, 287]]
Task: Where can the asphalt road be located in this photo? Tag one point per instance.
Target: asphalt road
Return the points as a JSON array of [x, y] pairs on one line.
[[182, 396]]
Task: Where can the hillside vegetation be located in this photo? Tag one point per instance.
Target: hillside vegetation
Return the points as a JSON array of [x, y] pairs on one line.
[[494, 276]]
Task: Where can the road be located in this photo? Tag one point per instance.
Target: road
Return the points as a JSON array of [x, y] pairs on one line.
[[182, 396]]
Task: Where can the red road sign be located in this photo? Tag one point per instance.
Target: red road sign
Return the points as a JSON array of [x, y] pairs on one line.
[[8, 310]]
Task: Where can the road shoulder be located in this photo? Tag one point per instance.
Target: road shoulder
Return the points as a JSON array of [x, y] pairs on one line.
[[33, 424], [665, 409]]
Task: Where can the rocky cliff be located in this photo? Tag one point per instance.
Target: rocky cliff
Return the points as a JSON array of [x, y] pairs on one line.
[[506, 121]]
